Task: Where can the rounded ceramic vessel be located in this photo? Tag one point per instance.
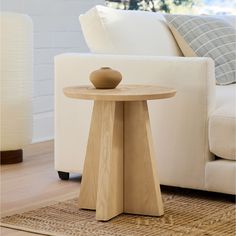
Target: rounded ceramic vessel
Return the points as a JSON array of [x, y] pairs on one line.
[[105, 78]]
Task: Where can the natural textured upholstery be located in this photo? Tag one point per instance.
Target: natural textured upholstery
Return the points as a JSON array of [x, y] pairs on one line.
[[222, 123], [145, 33], [220, 176], [222, 131]]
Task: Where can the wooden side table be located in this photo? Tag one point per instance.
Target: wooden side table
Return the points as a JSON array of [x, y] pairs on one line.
[[120, 172]]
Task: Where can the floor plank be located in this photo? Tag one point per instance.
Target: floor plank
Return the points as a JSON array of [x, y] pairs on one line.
[[32, 183]]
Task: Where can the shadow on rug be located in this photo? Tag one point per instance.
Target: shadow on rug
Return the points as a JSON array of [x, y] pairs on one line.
[[187, 212]]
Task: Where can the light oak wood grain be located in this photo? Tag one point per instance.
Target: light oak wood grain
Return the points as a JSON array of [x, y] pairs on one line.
[[110, 180], [141, 185], [102, 182], [120, 93], [88, 193], [120, 172]]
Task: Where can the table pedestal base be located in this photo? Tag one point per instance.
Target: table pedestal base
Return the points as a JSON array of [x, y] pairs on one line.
[[120, 172]]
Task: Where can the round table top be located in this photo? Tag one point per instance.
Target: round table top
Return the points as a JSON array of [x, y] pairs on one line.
[[120, 93]]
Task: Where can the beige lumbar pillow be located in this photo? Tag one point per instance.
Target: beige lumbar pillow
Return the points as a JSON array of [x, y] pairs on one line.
[[206, 36]]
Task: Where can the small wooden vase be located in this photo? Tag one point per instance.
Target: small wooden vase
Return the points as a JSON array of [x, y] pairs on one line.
[[105, 78]]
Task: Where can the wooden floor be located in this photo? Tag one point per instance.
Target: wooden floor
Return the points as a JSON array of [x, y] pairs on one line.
[[33, 183]]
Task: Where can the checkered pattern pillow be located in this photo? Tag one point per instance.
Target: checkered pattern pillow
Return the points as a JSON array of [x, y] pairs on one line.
[[206, 36]]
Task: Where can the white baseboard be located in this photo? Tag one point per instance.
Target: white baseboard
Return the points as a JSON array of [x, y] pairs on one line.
[[40, 140], [43, 127]]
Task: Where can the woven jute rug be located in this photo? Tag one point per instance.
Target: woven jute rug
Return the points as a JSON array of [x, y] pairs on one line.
[[186, 213]]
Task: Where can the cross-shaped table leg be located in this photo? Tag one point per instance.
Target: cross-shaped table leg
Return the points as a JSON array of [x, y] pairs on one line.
[[120, 171]]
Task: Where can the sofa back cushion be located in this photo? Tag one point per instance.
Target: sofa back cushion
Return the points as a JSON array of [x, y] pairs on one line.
[[107, 30]]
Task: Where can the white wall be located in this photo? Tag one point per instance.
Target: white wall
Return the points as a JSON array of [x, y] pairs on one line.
[[56, 30]]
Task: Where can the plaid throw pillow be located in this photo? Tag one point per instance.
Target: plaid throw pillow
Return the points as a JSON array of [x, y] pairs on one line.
[[206, 36]]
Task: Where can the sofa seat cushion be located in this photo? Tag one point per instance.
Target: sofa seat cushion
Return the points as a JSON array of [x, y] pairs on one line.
[[222, 131], [220, 176], [225, 95], [112, 31]]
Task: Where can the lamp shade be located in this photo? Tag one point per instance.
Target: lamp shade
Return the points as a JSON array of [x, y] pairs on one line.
[[16, 50]]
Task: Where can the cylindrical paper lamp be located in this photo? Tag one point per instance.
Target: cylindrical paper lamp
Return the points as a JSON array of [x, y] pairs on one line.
[[16, 50]]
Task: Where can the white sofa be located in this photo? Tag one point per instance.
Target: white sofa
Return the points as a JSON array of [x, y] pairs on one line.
[[189, 131]]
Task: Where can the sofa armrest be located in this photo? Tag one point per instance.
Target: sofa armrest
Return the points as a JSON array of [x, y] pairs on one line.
[[179, 125]]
